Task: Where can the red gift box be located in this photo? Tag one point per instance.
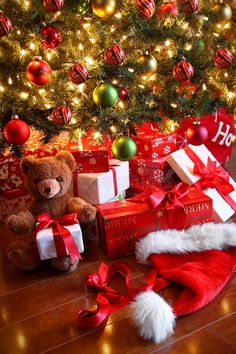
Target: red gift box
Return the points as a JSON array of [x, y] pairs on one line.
[[156, 172], [90, 156], [12, 202], [122, 223], [152, 144]]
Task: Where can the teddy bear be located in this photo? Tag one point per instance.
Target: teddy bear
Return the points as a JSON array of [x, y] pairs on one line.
[[48, 181]]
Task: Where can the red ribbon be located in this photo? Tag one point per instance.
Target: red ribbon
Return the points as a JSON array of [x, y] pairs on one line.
[[212, 176], [109, 299], [114, 176], [62, 237], [169, 199]]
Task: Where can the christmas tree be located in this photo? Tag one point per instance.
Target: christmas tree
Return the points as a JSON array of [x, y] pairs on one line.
[[108, 65]]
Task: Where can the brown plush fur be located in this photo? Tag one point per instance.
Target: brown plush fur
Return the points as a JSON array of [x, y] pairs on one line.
[[47, 180]]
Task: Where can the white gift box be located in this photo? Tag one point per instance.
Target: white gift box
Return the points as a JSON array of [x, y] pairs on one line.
[[182, 164], [98, 188], [45, 241]]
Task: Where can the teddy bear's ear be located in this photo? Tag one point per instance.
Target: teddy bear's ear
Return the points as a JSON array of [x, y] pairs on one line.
[[68, 158], [26, 164]]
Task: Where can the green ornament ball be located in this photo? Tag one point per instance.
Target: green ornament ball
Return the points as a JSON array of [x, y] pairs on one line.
[[105, 95], [124, 148]]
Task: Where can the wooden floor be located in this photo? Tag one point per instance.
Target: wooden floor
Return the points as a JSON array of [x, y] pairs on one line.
[[38, 311]]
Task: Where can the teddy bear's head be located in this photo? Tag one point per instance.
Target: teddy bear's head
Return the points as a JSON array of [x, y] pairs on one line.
[[48, 177]]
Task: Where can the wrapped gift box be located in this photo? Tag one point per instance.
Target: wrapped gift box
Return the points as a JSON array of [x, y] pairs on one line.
[[196, 165], [97, 188], [12, 202], [90, 230], [156, 172], [90, 156], [152, 144], [122, 223], [47, 238]]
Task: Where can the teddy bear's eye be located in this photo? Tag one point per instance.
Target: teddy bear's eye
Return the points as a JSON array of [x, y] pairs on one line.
[[59, 179], [36, 181]]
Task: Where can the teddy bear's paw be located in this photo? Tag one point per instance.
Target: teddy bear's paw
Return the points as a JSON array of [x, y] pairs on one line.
[[23, 255], [21, 224], [87, 213], [64, 263]]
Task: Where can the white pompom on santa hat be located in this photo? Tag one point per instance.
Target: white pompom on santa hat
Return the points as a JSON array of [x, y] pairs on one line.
[[201, 259]]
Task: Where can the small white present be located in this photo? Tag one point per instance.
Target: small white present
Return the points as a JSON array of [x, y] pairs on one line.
[[98, 188], [196, 165], [60, 237]]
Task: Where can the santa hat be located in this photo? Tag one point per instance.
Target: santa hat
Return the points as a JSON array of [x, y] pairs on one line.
[[200, 259]]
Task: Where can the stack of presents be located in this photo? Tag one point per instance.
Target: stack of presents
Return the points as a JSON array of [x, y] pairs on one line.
[[164, 186]]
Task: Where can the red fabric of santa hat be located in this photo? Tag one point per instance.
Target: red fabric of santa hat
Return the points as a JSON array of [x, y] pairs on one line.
[[201, 259]]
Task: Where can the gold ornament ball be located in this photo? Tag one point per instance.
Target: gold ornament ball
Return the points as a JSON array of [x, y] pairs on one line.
[[104, 8], [223, 11], [124, 148], [149, 64]]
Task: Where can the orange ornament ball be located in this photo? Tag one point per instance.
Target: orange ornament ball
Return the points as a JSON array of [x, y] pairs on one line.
[[38, 72]]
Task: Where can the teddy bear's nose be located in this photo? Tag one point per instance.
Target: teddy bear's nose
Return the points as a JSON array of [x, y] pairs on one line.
[[47, 190]]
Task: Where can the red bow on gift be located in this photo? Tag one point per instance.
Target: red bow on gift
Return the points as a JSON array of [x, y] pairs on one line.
[[169, 199], [62, 237], [110, 300], [213, 177]]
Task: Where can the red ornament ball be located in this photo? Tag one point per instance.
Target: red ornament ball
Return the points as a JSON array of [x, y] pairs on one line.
[[16, 131], [5, 25], [197, 134], [187, 6], [78, 74], [53, 5], [114, 55], [223, 58], [38, 72], [183, 71], [167, 9], [51, 37], [123, 94], [146, 8], [62, 115]]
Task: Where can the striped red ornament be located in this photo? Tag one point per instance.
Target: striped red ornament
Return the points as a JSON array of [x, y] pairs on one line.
[[187, 6], [146, 8], [223, 58], [62, 115], [53, 5], [183, 71], [114, 55], [5, 25], [78, 74]]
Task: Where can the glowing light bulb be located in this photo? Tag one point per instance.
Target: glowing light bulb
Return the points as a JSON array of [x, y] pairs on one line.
[[24, 95], [49, 56], [81, 46], [23, 52], [89, 60], [113, 129], [2, 89], [32, 46], [10, 82], [115, 82], [92, 40], [204, 87], [118, 15], [167, 42], [131, 70]]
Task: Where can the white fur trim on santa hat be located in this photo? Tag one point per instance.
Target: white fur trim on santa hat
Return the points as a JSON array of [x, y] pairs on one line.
[[197, 238], [153, 316]]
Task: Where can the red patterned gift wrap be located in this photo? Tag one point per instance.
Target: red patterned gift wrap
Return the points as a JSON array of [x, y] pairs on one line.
[[122, 223], [153, 144], [156, 172], [12, 202], [89, 156]]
